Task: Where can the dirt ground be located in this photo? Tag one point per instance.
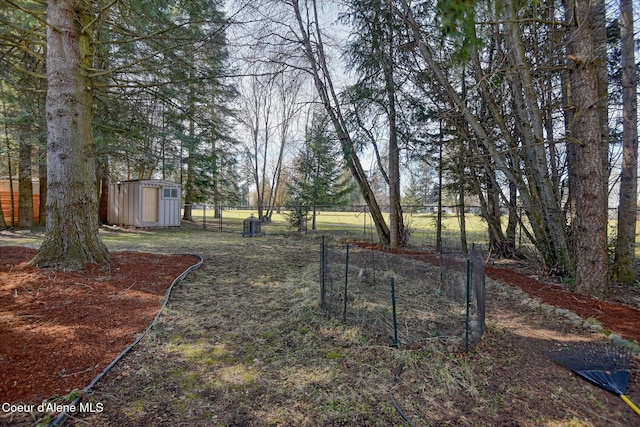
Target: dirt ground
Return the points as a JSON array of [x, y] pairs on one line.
[[246, 346], [60, 329]]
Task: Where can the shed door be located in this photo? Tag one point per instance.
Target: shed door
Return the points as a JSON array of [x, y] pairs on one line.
[[150, 204]]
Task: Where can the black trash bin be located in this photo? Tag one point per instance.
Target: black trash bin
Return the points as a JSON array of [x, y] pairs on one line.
[[251, 227]]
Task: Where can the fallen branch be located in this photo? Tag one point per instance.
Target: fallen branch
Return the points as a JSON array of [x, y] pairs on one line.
[[78, 373]]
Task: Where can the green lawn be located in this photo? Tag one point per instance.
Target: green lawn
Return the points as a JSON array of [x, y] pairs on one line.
[[421, 226], [357, 225]]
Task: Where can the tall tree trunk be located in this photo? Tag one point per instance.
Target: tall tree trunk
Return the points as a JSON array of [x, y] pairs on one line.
[[189, 193], [42, 175], [313, 218], [288, 94], [7, 140], [72, 239], [497, 240], [624, 268], [545, 218], [586, 55], [3, 223], [215, 175], [263, 174], [544, 207], [396, 223], [440, 182], [397, 236], [25, 185], [103, 188], [512, 222], [489, 207], [189, 189], [324, 85]]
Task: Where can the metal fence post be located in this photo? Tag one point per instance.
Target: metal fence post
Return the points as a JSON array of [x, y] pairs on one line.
[[466, 329], [323, 290], [393, 308], [346, 283]]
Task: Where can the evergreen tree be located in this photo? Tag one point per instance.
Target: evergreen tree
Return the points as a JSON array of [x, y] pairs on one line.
[[374, 54], [319, 178], [148, 76], [624, 268], [72, 239]]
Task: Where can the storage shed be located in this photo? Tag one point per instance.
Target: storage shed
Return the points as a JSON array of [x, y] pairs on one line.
[[144, 203]]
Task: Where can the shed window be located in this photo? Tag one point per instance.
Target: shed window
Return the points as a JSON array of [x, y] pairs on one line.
[[170, 193]]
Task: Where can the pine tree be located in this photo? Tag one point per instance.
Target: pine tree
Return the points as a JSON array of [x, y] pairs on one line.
[[624, 266], [319, 178], [72, 239]]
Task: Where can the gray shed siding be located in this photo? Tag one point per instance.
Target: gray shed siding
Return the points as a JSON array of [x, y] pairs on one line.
[[144, 203]]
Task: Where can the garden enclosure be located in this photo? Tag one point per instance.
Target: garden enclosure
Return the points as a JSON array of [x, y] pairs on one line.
[[405, 299]]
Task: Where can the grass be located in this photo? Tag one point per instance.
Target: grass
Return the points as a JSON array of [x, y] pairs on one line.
[[421, 226], [244, 342]]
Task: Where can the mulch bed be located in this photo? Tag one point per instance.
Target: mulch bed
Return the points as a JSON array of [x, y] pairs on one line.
[[60, 329]]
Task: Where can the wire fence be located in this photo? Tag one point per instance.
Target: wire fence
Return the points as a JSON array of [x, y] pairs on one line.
[[456, 226], [405, 299], [420, 222]]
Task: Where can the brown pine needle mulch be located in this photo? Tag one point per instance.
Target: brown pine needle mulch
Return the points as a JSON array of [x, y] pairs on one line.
[[60, 329]]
